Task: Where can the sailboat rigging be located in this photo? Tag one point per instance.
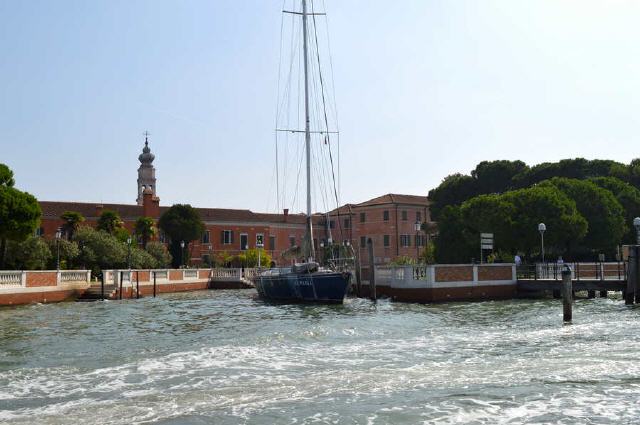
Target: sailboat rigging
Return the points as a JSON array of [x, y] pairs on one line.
[[307, 281]]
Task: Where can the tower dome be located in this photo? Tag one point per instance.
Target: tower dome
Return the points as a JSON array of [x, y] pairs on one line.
[[146, 157]]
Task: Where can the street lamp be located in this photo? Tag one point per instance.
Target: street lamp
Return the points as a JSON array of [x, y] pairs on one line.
[[542, 228], [417, 227], [58, 236], [636, 224], [129, 252], [181, 253]]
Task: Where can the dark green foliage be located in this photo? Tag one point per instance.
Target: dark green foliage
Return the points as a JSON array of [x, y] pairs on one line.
[[496, 176], [629, 197], [160, 253], [513, 218], [6, 176], [110, 222], [100, 249], [181, 223], [72, 220], [69, 253], [19, 212], [603, 213], [453, 190], [145, 228], [31, 254]]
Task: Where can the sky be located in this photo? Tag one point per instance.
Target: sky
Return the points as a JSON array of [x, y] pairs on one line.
[[423, 89]]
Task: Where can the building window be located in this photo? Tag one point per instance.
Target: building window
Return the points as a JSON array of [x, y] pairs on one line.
[[272, 243], [244, 241], [40, 232], [259, 240], [332, 224], [419, 216], [292, 241], [385, 215], [226, 237], [347, 223], [405, 241], [386, 240], [405, 216], [363, 241], [206, 237], [363, 217], [421, 240]]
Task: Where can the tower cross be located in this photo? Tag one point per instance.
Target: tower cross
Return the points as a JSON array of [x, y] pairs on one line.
[[146, 135]]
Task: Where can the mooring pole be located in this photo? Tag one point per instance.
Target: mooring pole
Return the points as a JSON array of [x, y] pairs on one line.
[[102, 286], [120, 294], [567, 295], [372, 270], [154, 284], [632, 273], [137, 285], [636, 249]]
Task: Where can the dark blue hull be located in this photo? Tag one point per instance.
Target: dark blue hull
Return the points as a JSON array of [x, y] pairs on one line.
[[316, 287]]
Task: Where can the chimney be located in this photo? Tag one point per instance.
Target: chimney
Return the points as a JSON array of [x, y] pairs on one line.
[[150, 204], [99, 210], [286, 214]]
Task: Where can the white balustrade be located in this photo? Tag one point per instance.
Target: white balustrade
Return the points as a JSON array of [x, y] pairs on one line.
[[10, 279], [189, 274], [73, 276]]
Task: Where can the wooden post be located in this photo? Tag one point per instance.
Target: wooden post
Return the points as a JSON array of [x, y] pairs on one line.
[[632, 272], [120, 294], [591, 293], [137, 285], [102, 286], [372, 270], [567, 295], [154, 284], [603, 294], [636, 250], [358, 276]]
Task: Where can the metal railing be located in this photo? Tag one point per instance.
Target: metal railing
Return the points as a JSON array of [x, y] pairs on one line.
[[579, 271]]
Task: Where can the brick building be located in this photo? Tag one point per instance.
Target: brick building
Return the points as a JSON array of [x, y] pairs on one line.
[[389, 220]]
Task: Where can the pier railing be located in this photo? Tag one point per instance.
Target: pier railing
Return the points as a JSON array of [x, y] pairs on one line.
[[579, 271], [11, 279], [36, 278], [434, 275]]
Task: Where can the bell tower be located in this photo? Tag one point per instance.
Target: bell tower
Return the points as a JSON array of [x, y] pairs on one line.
[[146, 171]]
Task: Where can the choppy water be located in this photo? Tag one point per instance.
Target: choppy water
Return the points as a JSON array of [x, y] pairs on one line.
[[225, 358]]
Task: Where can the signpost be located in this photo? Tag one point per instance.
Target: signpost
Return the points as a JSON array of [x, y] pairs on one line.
[[486, 242]]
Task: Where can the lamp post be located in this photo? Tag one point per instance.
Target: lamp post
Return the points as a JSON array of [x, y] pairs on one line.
[[542, 228], [417, 226], [181, 253], [636, 224], [129, 254], [58, 236]]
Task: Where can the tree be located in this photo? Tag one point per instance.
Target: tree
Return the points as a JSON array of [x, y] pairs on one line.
[[496, 176], [101, 250], [160, 253], [453, 244], [182, 224], [110, 222], [145, 228], [19, 212], [603, 212], [628, 196], [6, 176], [565, 225], [69, 253], [31, 254], [72, 220], [489, 214], [453, 190]]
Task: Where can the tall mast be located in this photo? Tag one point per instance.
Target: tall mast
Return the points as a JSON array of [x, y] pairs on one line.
[[307, 135]]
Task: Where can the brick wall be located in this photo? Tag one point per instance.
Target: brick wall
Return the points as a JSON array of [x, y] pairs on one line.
[[494, 273], [454, 274], [175, 274], [41, 279]]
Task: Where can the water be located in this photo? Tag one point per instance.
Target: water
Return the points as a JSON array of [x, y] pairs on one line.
[[223, 357]]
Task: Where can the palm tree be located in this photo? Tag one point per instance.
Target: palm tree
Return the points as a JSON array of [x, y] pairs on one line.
[[72, 220], [145, 228], [110, 221]]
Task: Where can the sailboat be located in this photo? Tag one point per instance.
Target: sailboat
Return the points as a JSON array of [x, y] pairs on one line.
[[306, 281]]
